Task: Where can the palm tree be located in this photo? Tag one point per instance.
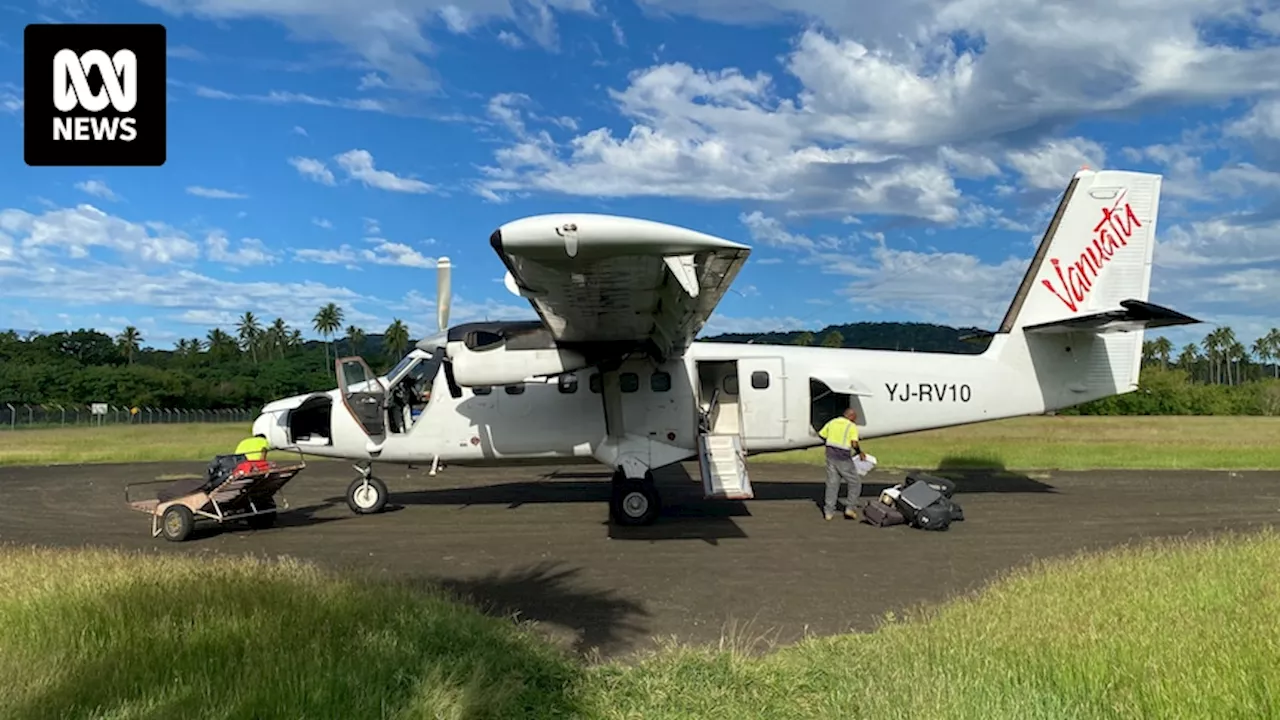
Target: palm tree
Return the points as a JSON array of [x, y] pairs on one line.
[[130, 341], [221, 345], [326, 322], [278, 335], [355, 338], [1267, 348], [1212, 343], [1188, 358], [397, 338], [1163, 348], [250, 331]]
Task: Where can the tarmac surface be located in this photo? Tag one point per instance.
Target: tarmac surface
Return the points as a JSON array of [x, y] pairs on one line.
[[536, 540]]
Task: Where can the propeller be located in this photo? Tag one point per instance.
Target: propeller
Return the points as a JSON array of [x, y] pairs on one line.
[[443, 292]]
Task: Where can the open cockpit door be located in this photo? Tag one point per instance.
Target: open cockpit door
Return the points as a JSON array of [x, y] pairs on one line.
[[364, 395]]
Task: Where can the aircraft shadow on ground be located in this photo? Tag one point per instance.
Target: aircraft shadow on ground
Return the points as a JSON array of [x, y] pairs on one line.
[[548, 593], [686, 514]]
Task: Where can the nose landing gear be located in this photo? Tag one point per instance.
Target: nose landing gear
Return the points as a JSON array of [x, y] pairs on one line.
[[366, 494]]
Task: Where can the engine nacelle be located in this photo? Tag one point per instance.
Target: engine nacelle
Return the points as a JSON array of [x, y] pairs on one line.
[[507, 353], [504, 366]]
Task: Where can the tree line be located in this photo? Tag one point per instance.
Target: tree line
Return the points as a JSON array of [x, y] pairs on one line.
[[259, 361], [253, 364]]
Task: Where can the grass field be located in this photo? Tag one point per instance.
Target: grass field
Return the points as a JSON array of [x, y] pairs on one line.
[[1178, 630], [1033, 443]]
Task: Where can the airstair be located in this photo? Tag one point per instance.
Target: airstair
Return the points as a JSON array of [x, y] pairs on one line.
[[724, 467]]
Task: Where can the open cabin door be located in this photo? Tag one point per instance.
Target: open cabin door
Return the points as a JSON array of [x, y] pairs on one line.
[[363, 394]]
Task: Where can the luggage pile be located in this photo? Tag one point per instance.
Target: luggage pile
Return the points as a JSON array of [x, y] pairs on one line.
[[923, 502]]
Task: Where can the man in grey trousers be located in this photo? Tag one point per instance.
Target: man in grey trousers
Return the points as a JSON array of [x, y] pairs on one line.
[[841, 436]]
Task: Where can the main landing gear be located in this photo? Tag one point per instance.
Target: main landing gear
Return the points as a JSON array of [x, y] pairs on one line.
[[366, 494], [634, 501]]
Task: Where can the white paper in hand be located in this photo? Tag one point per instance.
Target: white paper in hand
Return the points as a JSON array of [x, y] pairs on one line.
[[864, 466]]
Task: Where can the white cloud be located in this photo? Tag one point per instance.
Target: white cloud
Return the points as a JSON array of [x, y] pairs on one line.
[[97, 188], [358, 164], [1219, 243], [215, 193], [312, 169], [892, 100], [1051, 164], [299, 130], [284, 97], [945, 287], [387, 35], [76, 231], [185, 52], [251, 251], [10, 102], [382, 252], [713, 136], [322, 223]]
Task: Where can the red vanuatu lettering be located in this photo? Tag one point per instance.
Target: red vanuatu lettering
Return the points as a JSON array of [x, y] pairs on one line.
[[1112, 232]]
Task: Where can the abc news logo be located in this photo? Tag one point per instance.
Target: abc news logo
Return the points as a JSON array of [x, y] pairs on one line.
[[95, 95]]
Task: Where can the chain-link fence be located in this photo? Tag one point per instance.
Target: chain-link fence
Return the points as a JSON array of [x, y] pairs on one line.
[[14, 416]]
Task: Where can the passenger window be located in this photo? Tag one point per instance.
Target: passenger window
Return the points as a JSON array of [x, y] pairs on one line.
[[760, 380], [660, 381], [630, 382], [514, 389], [481, 390], [568, 384], [731, 384], [595, 383]]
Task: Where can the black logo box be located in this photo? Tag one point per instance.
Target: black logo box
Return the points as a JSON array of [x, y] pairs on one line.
[[41, 42]]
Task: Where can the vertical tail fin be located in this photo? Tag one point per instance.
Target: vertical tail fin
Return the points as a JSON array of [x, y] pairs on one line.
[[1095, 254], [1081, 311]]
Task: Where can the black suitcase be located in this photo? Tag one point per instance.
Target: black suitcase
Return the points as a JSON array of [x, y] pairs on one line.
[[941, 484], [881, 515], [935, 517], [915, 497]]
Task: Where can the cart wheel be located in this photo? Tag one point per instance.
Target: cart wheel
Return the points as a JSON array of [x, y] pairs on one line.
[[177, 522], [365, 498], [262, 522]]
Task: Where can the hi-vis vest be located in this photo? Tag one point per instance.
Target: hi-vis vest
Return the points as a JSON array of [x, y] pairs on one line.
[[839, 433], [253, 448]]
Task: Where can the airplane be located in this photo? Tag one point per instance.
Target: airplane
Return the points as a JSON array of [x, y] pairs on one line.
[[621, 301]]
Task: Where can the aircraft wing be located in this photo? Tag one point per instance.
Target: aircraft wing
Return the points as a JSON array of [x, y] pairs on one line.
[[609, 285]]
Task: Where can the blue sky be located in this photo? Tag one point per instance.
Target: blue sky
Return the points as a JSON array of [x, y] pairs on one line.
[[886, 161]]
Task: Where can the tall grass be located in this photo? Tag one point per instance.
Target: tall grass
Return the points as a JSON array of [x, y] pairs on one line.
[[1174, 631], [1081, 443], [1067, 443], [102, 634], [1170, 630]]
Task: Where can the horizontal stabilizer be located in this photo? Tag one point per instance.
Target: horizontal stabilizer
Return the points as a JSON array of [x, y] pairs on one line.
[[1133, 315]]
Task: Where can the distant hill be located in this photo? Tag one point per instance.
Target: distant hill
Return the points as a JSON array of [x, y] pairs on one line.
[[917, 337]]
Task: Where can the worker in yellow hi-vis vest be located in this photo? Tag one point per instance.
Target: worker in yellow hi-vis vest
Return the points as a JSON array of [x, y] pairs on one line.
[[841, 436], [254, 448]]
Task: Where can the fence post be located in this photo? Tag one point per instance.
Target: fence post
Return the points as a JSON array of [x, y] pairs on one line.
[[13, 416], [31, 415]]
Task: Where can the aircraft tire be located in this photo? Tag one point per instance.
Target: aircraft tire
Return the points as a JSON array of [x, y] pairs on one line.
[[366, 501], [177, 522], [634, 502]]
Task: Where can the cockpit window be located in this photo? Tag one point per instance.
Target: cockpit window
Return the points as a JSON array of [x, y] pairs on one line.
[[400, 366]]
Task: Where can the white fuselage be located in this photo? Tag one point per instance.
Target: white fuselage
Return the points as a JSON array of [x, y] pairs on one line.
[[782, 395]]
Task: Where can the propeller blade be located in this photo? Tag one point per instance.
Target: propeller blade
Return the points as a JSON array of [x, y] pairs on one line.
[[443, 292]]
